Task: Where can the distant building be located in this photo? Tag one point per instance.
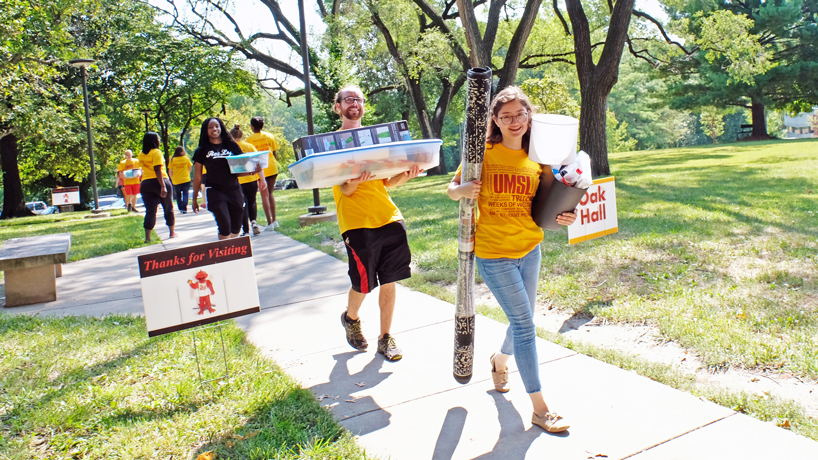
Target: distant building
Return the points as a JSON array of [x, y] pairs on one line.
[[799, 127]]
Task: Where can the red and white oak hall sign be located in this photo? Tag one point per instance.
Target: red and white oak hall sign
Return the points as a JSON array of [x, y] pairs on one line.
[[196, 285], [596, 212]]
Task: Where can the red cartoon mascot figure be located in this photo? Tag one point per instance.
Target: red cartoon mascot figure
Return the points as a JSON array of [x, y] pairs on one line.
[[202, 285]]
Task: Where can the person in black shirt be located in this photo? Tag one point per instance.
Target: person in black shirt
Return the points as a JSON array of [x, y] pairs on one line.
[[223, 193]]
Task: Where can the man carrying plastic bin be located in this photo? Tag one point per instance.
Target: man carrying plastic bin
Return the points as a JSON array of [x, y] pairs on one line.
[[375, 236]]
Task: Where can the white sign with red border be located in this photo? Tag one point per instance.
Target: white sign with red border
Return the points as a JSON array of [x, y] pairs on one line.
[[197, 285], [65, 196], [596, 212]]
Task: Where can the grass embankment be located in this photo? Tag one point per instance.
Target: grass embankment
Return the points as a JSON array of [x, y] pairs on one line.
[[716, 247], [89, 237], [100, 388]]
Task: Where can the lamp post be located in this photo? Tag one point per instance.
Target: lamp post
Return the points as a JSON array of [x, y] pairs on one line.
[[305, 59], [82, 64], [146, 112]]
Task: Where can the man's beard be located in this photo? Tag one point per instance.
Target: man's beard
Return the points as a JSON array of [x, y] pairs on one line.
[[349, 115]]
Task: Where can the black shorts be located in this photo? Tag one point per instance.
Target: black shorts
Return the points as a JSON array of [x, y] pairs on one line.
[[227, 208], [377, 256]]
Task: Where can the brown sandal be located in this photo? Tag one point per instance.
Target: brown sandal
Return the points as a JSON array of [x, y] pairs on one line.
[[500, 378]]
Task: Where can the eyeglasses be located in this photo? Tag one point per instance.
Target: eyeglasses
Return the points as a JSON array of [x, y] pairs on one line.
[[351, 100], [521, 117]]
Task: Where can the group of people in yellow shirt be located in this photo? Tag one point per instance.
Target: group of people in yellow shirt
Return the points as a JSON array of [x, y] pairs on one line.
[[146, 175]]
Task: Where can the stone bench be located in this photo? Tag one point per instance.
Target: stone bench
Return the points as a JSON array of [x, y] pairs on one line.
[[31, 267]]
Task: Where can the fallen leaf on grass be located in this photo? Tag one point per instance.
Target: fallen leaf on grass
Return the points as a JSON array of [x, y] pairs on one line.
[[784, 423], [206, 456], [248, 436]]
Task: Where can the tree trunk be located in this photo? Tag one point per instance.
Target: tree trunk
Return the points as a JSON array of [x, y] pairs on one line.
[[14, 201], [597, 80], [593, 138], [759, 120], [163, 137]]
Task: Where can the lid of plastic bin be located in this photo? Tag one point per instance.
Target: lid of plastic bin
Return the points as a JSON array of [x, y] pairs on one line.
[[398, 146]]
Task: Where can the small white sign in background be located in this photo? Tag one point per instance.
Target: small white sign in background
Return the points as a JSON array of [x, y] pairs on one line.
[[596, 212], [65, 196]]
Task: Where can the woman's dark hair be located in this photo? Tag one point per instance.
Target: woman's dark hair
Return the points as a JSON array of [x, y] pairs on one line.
[[508, 94], [179, 151], [256, 123], [149, 142], [227, 139], [236, 132]]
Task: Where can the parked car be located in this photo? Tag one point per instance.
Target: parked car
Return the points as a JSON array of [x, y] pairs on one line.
[[288, 184], [108, 202], [37, 207]]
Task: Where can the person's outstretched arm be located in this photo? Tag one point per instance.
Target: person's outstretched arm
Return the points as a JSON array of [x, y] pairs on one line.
[[349, 187], [197, 184], [402, 178]]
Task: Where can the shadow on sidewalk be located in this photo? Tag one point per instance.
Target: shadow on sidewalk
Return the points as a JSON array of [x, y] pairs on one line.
[[343, 385], [512, 443]]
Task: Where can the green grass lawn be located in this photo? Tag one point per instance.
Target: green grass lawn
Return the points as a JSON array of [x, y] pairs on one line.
[[89, 237], [101, 389]]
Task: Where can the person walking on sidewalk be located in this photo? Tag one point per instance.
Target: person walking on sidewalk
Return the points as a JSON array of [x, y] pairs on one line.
[[372, 228], [507, 241], [156, 189], [180, 166], [250, 186], [129, 172], [224, 197], [262, 141]]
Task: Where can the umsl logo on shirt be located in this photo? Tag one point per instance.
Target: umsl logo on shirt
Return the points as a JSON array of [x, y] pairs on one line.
[[515, 184], [596, 213]]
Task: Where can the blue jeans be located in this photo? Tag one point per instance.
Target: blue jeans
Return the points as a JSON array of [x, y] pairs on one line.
[[181, 191], [514, 283]]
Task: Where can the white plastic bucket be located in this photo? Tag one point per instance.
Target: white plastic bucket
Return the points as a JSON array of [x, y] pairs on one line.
[[553, 139]]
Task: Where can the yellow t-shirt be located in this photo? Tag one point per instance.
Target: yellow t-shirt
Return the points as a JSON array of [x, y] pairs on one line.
[[369, 207], [247, 147], [505, 228], [126, 165], [149, 160], [265, 141], [180, 169]]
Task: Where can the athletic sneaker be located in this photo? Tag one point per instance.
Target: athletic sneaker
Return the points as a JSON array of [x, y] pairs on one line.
[[355, 337], [275, 224], [256, 229], [388, 348], [243, 233], [269, 228]]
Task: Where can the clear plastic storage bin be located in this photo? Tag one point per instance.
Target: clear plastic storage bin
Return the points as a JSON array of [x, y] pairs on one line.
[[335, 168], [247, 162]]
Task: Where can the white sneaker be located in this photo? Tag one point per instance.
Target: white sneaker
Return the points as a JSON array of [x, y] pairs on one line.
[[269, 228], [275, 224], [256, 228]]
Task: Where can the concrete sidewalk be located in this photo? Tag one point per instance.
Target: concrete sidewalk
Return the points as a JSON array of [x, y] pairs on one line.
[[413, 409]]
